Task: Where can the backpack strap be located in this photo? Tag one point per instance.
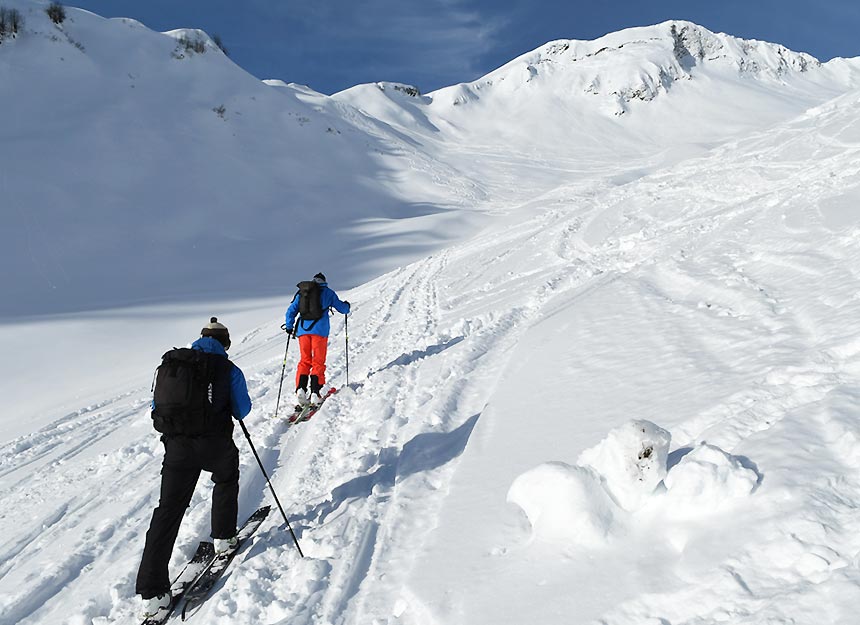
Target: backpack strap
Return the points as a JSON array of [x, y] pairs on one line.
[[310, 327]]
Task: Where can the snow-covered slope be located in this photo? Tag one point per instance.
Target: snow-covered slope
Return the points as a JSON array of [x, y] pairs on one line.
[[137, 170], [708, 290], [718, 300]]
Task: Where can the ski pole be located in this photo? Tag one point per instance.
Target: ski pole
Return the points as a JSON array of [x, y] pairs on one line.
[[268, 481], [284, 368], [346, 334]]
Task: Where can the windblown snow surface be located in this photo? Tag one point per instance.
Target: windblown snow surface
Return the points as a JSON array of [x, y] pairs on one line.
[[626, 393]]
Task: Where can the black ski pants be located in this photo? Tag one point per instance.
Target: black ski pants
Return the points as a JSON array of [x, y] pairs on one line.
[[184, 459]]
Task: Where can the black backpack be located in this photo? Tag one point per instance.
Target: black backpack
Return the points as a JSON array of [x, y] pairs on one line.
[[310, 301], [185, 400]]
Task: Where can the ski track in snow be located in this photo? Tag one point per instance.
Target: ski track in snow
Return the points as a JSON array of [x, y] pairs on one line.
[[381, 500]]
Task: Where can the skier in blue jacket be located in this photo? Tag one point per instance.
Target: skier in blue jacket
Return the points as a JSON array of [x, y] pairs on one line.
[[313, 342], [184, 458]]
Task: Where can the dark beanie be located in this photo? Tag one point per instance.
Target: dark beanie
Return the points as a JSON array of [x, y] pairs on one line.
[[217, 331], [320, 277]]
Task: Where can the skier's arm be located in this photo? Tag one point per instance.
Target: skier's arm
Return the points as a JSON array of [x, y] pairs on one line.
[[338, 305], [240, 401], [292, 311]]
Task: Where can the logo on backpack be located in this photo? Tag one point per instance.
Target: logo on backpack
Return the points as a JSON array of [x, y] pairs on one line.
[[310, 302], [183, 393]]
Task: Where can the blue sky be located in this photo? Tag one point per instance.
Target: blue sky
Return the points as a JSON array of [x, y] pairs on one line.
[[334, 44]]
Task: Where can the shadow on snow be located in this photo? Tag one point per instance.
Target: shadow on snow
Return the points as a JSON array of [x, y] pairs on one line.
[[425, 452]]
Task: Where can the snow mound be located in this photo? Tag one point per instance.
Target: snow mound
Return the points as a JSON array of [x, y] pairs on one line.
[[566, 504], [632, 460], [705, 480], [587, 504]]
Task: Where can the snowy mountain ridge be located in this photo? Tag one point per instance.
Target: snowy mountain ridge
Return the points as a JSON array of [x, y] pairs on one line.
[[691, 45], [749, 56], [640, 63]]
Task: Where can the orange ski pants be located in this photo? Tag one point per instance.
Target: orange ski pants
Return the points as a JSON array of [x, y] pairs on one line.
[[313, 350]]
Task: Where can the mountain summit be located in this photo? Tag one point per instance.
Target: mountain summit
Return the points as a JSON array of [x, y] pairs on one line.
[[641, 64]]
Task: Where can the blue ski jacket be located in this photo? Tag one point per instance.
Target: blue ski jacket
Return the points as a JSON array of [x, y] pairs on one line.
[[240, 401], [321, 327]]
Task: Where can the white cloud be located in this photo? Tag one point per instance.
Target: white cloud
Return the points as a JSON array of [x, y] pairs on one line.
[[396, 39]]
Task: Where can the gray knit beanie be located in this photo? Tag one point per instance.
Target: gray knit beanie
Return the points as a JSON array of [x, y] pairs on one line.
[[217, 331]]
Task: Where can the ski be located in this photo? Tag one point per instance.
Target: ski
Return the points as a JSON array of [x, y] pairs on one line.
[[303, 413], [196, 565], [298, 411], [206, 580]]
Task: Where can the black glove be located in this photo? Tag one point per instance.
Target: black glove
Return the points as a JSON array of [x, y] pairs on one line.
[[348, 305], [289, 331]]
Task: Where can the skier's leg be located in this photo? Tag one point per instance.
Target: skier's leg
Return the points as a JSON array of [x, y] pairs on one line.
[[224, 464], [320, 350], [305, 361], [178, 479]]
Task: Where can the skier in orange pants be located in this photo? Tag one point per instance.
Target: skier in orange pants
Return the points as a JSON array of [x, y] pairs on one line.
[[312, 304]]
